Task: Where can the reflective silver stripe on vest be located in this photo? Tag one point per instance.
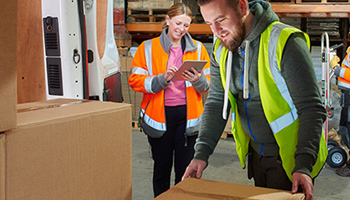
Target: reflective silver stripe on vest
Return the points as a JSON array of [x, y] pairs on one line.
[[344, 85], [148, 55], [148, 84], [290, 117], [346, 61], [199, 46], [218, 53], [206, 71], [193, 122], [199, 49], [151, 122], [138, 70], [342, 72], [233, 117]]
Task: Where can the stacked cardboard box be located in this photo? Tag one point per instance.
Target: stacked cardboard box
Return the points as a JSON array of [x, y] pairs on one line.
[[58, 149], [199, 189], [67, 149], [123, 39], [124, 51], [130, 96], [125, 63], [8, 72], [122, 36]]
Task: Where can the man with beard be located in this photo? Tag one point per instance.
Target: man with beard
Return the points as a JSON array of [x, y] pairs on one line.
[[264, 69]]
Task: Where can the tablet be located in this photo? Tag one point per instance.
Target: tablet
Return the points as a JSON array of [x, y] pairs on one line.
[[197, 64]]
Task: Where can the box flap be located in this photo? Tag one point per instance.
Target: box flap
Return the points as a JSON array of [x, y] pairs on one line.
[[24, 107], [193, 189], [61, 109]]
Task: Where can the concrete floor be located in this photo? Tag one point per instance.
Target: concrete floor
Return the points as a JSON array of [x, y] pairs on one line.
[[223, 166]]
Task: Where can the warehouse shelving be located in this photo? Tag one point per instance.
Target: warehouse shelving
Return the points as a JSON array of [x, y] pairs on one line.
[[282, 10], [339, 9]]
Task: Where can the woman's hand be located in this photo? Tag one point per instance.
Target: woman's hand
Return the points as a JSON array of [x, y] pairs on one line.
[[191, 75], [170, 72]]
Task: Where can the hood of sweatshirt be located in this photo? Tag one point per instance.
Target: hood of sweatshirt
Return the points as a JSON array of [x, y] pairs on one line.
[[263, 17]]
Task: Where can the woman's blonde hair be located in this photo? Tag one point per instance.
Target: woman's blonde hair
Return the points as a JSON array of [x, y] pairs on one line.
[[177, 9]]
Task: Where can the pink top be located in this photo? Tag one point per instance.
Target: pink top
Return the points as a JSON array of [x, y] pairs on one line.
[[175, 93]]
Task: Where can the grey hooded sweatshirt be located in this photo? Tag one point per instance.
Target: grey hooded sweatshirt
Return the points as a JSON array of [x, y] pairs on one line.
[[297, 70]]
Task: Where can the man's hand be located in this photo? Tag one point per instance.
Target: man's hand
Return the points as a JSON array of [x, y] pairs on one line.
[[305, 182], [334, 62], [195, 169]]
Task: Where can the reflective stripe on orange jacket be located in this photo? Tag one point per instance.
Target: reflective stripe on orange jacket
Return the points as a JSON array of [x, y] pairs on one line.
[[147, 69], [344, 76]]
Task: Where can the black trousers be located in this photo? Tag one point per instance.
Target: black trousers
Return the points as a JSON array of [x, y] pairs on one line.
[[173, 147], [344, 124], [268, 172]]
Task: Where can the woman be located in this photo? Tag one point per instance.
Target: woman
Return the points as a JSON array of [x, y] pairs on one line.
[[170, 110]]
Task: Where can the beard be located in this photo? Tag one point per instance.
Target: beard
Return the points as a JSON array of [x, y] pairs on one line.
[[237, 38]]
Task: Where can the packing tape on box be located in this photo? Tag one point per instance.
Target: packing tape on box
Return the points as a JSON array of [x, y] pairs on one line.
[[52, 106]]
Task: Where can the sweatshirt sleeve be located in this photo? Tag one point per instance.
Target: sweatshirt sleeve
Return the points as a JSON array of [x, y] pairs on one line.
[[298, 71], [212, 124]]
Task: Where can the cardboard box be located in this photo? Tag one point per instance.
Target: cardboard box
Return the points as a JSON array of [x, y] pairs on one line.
[[124, 51], [122, 41], [67, 149], [200, 189], [8, 65], [122, 36], [131, 96], [125, 63]]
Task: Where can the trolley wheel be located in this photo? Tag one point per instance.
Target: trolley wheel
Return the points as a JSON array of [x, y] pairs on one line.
[[337, 157], [331, 144]]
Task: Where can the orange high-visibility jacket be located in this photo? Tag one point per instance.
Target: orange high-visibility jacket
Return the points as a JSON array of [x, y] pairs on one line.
[[147, 69], [344, 76]]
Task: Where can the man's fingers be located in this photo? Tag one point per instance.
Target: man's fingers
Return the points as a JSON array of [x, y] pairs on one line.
[[198, 174], [189, 172], [193, 174], [294, 187]]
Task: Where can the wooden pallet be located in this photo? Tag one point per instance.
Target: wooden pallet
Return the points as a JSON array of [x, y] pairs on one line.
[[146, 14], [310, 1], [226, 135], [135, 125], [124, 51]]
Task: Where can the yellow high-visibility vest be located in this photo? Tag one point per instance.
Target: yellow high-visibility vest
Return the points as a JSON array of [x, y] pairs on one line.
[[283, 119]]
